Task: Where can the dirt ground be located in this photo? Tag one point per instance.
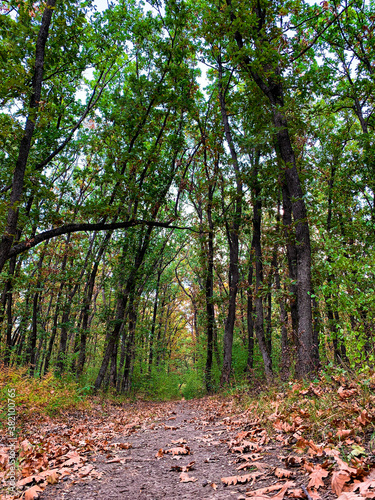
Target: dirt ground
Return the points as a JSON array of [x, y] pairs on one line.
[[138, 473]]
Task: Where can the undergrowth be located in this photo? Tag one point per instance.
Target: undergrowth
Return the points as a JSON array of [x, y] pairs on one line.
[[48, 395], [336, 408]]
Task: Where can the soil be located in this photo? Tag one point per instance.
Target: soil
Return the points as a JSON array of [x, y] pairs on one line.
[[137, 473]]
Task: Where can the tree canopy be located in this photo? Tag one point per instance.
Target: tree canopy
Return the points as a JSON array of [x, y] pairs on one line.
[[187, 190]]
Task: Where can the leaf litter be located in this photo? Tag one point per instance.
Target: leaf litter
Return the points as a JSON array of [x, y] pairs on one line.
[[273, 456]]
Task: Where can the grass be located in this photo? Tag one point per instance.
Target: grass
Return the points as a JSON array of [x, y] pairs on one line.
[[35, 397]]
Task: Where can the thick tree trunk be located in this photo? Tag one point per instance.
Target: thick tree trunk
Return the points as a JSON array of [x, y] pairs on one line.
[[23, 154], [291, 253], [272, 88]]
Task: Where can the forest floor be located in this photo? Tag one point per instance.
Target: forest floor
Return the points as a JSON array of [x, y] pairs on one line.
[[209, 448]]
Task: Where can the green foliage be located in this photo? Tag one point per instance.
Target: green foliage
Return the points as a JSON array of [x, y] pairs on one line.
[[35, 397]]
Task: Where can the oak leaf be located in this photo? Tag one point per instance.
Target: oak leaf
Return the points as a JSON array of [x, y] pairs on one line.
[[179, 450], [316, 477], [260, 494], [33, 493], [280, 473], [339, 478]]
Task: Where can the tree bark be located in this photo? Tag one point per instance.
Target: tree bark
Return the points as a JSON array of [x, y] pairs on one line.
[[25, 146], [232, 236]]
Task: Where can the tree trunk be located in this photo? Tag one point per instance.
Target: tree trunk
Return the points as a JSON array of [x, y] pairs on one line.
[[232, 236], [256, 245], [25, 146]]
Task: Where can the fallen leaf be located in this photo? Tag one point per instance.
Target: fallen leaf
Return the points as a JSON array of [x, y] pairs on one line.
[[179, 450], [26, 445], [261, 492], [179, 441], [85, 471], [343, 433], [350, 496], [316, 477], [214, 486], [280, 473], [185, 478], [25, 481], [182, 468], [296, 493], [240, 479], [114, 460], [53, 478], [339, 478], [160, 453], [33, 493]]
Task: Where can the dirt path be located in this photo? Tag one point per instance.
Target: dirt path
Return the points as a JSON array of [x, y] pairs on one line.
[[187, 427]]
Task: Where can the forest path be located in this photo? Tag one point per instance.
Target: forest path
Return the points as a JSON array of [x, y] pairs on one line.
[[196, 431]]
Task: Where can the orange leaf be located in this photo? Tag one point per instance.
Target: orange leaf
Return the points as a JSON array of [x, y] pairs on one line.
[[316, 477], [179, 450], [339, 478], [33, 493], [260, 492], [343, 433], [280, 473]]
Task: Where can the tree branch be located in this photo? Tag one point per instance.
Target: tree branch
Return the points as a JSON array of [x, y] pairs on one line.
[[86, 226]]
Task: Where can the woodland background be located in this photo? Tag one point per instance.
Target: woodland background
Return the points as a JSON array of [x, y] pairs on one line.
[[168, 236]]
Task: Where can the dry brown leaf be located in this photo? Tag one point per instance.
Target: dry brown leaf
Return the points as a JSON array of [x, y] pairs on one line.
[[214, 486], [296, 493], [363, 418], [25, 481], [26, 445], [53, 478], [179, 450], [179, 441], [293, 461], [85, 471], [316, 477], [344, 466], [185, 478], [183, 468], [260, 494], [160, 453], [240, 479], [364, 486], [343, 433], [346, 393], [280, 473], [350, 496], [33, 493], [123, 446], [339, 478], [313, 494]]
